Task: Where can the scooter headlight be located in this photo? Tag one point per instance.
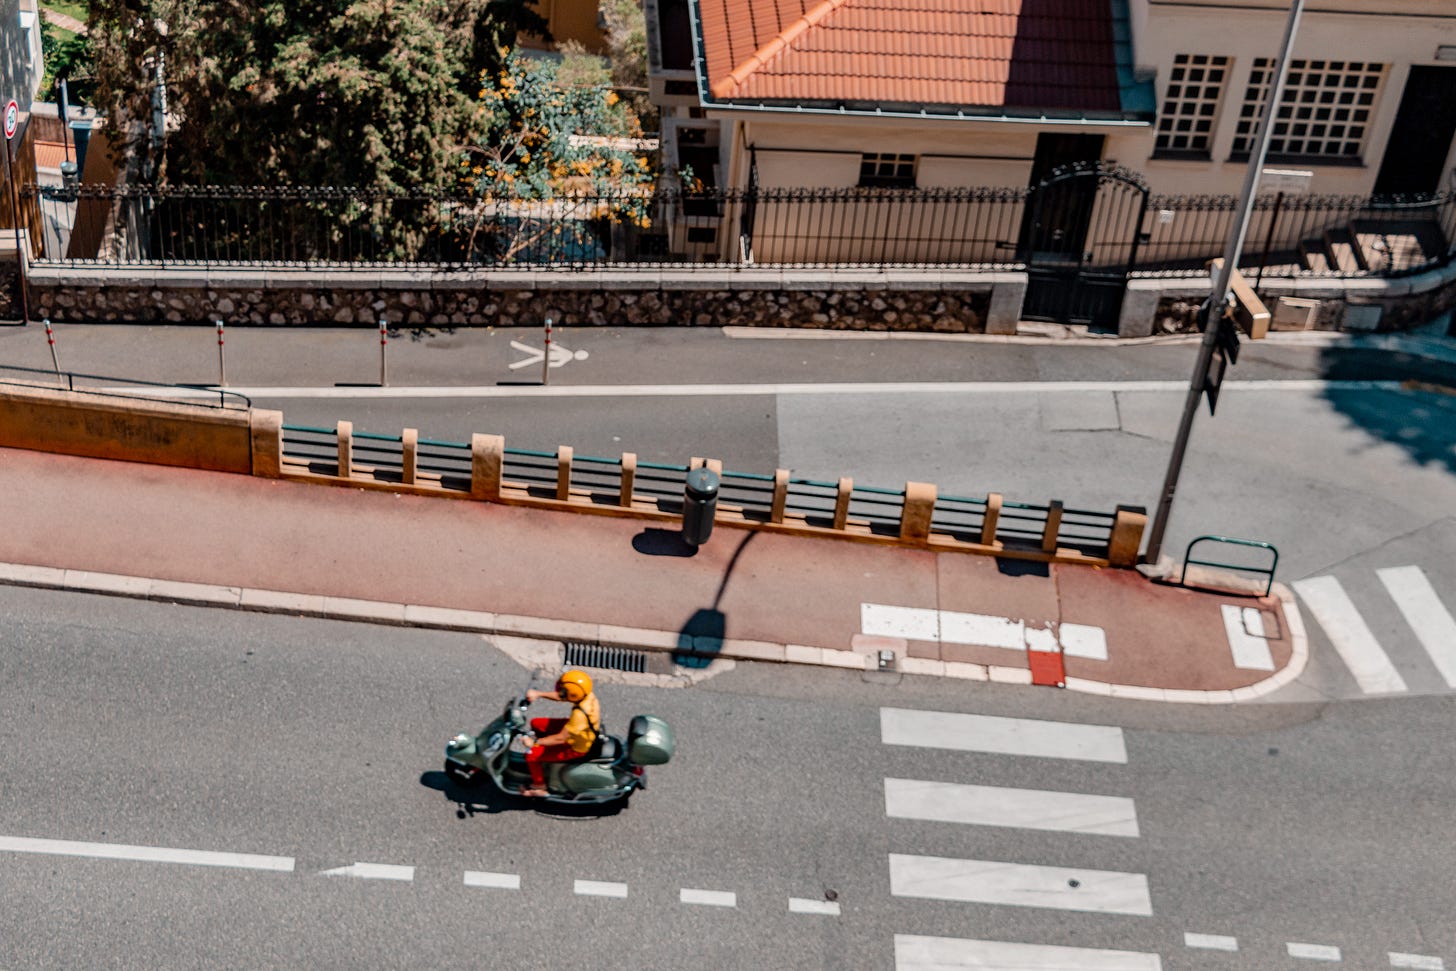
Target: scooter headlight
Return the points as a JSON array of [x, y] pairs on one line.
[[459, 741]]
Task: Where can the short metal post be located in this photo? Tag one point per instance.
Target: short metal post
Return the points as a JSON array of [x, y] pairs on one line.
[[546, 356], [51, 339], [383, 340], [221, 364]]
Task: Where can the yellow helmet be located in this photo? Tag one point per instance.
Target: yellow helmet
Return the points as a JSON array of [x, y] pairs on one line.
[[574, 685]]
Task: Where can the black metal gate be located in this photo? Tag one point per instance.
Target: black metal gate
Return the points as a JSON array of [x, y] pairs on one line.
[[1079, 241]]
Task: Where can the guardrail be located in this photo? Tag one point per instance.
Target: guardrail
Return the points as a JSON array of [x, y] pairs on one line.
[[1265, 571], [203, 395], [914, 515]]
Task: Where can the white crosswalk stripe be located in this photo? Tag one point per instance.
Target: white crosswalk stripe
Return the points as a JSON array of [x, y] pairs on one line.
[[1004, 736], [1007, 882], [1427, 616], [914, 953], [1068, 812], [1350, 635]]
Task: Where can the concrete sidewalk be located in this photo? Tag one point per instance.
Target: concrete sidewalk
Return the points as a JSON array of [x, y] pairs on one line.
[[213, 538]]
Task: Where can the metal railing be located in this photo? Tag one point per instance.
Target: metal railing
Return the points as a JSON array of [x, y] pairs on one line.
[[205, 396], [816, 503], [973, 227], [1264, 571]]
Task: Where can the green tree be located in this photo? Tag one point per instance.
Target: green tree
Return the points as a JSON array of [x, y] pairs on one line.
[[560, 154], [68, 56], [369, 93]]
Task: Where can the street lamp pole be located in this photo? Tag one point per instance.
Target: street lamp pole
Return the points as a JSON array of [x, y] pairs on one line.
[[1219, 297]]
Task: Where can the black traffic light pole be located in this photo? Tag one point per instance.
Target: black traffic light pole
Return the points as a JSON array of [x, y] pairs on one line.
[[1219, 297]]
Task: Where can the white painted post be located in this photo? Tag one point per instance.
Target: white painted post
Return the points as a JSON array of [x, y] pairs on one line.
[[51, 339], [221, 365], [383, 339], [546, 356]]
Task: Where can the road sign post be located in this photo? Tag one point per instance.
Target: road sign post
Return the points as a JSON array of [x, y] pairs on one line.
[[51, 340], [221, 365], [546, 357], [383, 340], [12, 124]]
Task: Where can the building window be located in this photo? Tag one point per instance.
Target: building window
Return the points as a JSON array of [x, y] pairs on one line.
[[1190, 105], [880, 171], [1325, 112]]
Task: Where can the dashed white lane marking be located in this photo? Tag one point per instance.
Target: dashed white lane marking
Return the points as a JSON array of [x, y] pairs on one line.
[[1421, 962], [596, 888], [1019, 885], [1069, 812], [980, 630], [1433, 624], [708, 898], [807, 905], [914, 953], [1352, 638], [1244, 627], [145, 854], [372, 871], [1001, 736], [1211, 942], [1313, 952], [500, 881]]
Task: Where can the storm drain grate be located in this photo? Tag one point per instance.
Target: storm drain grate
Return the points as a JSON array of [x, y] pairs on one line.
[[583, 655]]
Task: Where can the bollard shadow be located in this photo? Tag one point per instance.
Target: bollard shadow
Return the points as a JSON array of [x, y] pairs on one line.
[[663, 542], [700, 639], [1023, 568]]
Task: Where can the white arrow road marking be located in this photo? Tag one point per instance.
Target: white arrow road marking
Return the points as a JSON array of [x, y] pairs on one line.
[[560, 355], [372, 871], [145, 854]]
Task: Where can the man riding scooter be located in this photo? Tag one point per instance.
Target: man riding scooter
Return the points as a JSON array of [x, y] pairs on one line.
[[563, 739]]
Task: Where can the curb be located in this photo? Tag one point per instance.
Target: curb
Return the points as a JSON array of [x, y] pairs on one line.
[[485, 622]]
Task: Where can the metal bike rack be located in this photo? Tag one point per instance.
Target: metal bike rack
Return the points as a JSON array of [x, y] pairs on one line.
[[1263, 571]]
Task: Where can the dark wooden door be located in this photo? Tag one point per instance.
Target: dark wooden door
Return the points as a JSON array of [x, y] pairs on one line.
[[1421, 138]]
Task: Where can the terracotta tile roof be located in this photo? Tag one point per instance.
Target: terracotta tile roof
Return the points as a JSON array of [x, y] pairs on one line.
[[1055, 55], [50, 155]]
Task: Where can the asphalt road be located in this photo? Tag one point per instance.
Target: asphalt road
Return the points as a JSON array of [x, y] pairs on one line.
[[146, 724], [1343, 458]]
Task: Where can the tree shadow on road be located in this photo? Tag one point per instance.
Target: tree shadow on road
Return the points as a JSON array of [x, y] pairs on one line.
[[1420, 418]]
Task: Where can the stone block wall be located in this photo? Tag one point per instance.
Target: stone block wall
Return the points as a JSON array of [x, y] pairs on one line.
[[506, 300]]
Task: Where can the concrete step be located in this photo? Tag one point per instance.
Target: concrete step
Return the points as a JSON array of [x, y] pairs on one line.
[[1384, 246], [1340, 246], [1316, 260]]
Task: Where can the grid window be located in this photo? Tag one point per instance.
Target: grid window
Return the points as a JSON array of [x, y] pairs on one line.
[[1340, 94], [1190, 104], [887, 171]]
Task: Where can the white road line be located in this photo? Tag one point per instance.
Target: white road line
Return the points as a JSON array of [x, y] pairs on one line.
[[885, 620], [1433, 624], [595, 888], [1068, 812], [914, 953], [1019, 885], [730, 390], [982, 629], [1244, 628], [372, 871], [708, 898], [1313, 952], [145, 854], [1421, 962], [1080, 640], [1003, 736], [807, 905], [500, 881], [1352, 638], [1211, 942]]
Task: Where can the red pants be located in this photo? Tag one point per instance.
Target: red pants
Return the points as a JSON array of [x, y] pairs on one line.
[[539, 755]]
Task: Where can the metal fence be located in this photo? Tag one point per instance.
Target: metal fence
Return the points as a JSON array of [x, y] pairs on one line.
[[599, 480], [129, 388], [878, 227]]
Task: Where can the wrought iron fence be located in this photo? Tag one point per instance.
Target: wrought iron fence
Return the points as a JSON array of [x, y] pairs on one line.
[[959, 227]]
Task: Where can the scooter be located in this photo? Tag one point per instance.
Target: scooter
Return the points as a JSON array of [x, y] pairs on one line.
[[610, 771]]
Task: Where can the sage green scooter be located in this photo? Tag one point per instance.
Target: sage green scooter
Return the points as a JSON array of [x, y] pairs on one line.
[[610, 772]]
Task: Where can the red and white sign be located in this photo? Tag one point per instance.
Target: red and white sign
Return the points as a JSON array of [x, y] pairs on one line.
[[12, 119]]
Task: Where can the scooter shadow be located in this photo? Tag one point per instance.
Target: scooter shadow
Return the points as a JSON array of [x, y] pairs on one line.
[[485, 799]]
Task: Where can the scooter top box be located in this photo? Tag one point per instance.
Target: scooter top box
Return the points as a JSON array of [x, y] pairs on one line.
[[649, 740]]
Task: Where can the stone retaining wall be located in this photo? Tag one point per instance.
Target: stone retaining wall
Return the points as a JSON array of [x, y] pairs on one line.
[[931, 302]]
